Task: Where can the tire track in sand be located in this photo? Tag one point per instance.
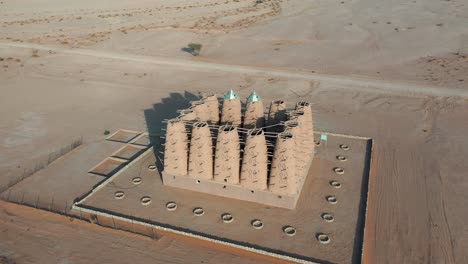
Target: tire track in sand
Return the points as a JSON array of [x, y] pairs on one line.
[[341, 82]]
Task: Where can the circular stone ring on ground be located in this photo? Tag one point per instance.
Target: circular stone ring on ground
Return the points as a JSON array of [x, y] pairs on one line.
[[171, 206], [328, 217], [289, 230], [341, 158], [119, 195], [198, 211], [323, 238], [332, 199], [227, 218], [335, 184], [152, 167], [344, 147], [145, 200], [338, 170], [257, 224], [136, 180]]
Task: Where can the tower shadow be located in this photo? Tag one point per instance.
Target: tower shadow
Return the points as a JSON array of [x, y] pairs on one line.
[[166, 109]]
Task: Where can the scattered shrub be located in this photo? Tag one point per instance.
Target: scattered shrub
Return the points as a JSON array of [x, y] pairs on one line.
[[35, 53], [194, 48]]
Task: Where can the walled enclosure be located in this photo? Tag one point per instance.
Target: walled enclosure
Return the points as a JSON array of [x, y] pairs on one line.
[[207, 149]]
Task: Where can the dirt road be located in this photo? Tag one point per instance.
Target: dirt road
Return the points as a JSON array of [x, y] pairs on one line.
[[351, 83]]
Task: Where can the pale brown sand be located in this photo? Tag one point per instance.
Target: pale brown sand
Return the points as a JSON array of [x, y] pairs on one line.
[[36, 236], [402, 68], [419, 135], [418, 41]]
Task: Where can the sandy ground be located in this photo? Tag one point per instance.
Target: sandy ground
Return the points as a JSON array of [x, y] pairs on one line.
[[35, 236], [345, 231], [102, 65], [424, 41]]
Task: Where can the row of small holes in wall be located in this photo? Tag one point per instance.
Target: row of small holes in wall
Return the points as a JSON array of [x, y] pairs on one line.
[[224, 187]]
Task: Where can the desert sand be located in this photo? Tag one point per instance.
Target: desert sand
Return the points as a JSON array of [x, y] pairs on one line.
[[393, 71], [36, 236]]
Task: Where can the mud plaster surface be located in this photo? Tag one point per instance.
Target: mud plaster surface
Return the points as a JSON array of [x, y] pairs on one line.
[[227, 157]]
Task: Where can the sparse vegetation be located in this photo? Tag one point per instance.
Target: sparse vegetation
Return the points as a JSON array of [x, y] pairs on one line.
[[35, 53], [106, 132], [193, 48], [5, 259]]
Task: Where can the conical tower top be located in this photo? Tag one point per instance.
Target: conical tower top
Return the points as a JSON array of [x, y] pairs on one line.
[[231, 95], [253, 97]]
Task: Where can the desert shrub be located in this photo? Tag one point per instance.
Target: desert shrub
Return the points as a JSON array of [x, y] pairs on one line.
[[106, 132], [6, 260], [195, 48], [35, 53]]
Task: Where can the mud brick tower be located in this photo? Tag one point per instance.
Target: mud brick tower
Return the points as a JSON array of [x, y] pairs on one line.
[[218, 148]]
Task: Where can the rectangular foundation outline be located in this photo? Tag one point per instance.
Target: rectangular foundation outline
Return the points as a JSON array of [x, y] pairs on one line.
[[133, 142], [78, 207], [128, 145], [114, 171], [137, 134]]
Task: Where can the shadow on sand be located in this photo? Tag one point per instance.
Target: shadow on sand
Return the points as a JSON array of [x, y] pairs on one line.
[[361, 221], [166, 109]]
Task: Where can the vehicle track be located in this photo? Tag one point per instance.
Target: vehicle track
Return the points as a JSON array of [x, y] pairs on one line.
[[341, 82]]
